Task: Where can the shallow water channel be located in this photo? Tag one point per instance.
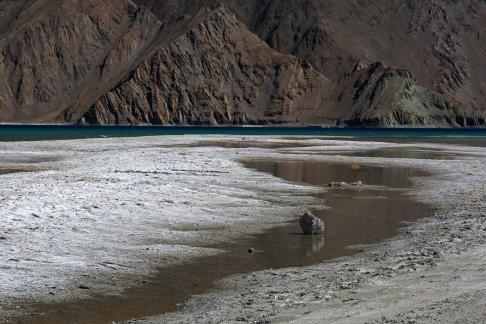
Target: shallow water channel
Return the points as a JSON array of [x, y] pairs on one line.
[[355, 216], [7, 170]]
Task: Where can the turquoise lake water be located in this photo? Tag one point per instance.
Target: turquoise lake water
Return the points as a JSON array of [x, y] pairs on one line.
[[476, 137]]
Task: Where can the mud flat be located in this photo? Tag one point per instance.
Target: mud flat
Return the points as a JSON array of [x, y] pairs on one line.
[[143, 206]]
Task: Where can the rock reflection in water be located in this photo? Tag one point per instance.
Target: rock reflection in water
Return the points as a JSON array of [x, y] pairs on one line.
[[318, 243]]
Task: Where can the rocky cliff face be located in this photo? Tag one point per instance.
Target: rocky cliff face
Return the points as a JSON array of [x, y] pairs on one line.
[[217, 73], [391, 97], [60, 54], [440, 42], [374, 63]]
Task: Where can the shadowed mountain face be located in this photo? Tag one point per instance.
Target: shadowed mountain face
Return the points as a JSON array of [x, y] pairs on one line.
[[332, 62]]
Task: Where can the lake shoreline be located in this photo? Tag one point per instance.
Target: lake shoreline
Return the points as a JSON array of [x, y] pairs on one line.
[[39, 133], [433, 270], [202, 305]]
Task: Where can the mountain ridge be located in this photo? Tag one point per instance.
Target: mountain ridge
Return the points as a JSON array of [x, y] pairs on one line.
[[118, 62]]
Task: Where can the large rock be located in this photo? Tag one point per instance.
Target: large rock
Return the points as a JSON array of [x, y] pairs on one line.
[[311, 224]]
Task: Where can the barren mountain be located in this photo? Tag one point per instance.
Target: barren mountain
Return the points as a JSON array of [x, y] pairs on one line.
[[441, 43], [217, 73], [328, 62]]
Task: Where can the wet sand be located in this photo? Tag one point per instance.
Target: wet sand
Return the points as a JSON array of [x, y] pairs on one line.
[[7, 170], [15, 163]]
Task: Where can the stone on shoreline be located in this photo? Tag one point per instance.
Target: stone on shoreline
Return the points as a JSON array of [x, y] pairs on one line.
[[344, 184], [311, 224]]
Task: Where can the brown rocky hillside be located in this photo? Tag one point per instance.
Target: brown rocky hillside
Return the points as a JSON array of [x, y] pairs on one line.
[[320, 62]]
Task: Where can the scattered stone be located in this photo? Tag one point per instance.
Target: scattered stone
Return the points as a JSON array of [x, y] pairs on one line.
[[343, 184], [262, 321], [355, 167], [311, 224], [337, 184]]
